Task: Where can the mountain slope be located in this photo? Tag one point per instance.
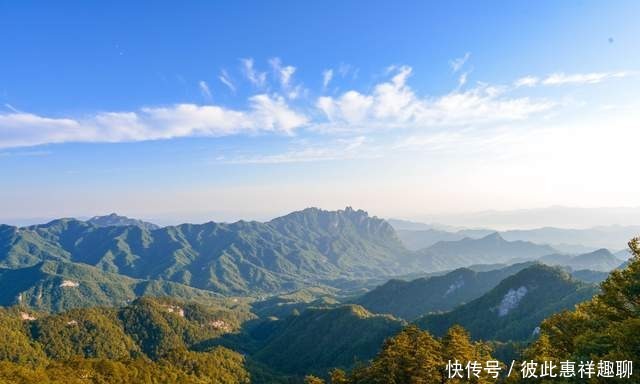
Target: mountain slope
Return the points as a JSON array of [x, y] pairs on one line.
[[54, 286], [242, 257], [513, 309], [411, 299], [486, 250], [322, 338], [146, 341]]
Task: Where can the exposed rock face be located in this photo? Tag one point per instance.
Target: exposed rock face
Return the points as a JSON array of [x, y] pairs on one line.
[[27, 317], [511, 300], [69, 284]]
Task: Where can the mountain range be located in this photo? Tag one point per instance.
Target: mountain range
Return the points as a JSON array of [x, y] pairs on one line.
[[412, 299], [111, 260], [601, 260], [238, 258], [514, 309], [491, 249], [417, 236]]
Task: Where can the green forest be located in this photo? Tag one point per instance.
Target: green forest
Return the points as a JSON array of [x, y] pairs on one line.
[[163, 340]]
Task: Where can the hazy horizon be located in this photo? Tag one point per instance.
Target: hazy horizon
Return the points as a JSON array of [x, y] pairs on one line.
[[554, 216]]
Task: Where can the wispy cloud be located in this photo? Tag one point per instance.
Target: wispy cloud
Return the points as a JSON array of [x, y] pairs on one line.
[[204, 90], [327, 75], [348, 70], [526, 81], [226, 80], [462, 80], [340, 149], [11, 108], [25, 154], [457, 64], [582, 78], [257, 78], [283, 72]]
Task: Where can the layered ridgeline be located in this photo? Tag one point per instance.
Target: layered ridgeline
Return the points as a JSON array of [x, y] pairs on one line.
[[417, 236], [490, 249], [412, 299], [601, 260], [514, 309], [244, 257]]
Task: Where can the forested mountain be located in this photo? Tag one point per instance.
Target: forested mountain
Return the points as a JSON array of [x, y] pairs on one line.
[[55, 286], [115, 220], [147, 341], [412, 299], [604, 328], [242, 257], [314, 261], [322, 338], [490, 249], [516, 307]]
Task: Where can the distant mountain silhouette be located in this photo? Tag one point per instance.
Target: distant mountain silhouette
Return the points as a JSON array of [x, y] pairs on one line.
[[601, 260], [490, 249], [115, 220]]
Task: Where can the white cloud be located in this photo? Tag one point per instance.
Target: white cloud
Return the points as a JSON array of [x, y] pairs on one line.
[[204, 89], [11, 108], [526, 81], [265, 114], [327, 75], [582, 78], [457, 64], [393, 104], [284, 73], [462, 80], [257, 78], [388, 105], [345, 70], [226, 80]]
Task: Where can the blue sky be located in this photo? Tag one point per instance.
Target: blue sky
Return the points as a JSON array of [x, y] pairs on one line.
[[249, 109]]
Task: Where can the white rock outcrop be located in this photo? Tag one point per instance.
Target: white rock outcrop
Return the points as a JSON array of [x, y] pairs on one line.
[[511, 300], [69, 284]]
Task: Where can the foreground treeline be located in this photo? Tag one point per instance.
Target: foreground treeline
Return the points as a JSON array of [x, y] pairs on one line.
[[149, 341], [414, 356], [606, 328]]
